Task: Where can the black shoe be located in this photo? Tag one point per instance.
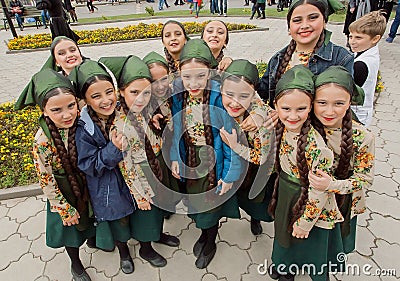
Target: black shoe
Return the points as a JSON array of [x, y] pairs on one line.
[[255, 227], [204, 260], [198, 247], [80, 277], [127, 265], [154, 258], [92, 246], [287, 277], [273, 273], [167, 216], [169, 240]]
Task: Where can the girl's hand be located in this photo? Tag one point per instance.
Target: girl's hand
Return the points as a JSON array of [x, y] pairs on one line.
[[319, 180], [72, 220], [156, 120], [224, 63], [119, 140], [175, 169], [273, 116], [252, 123], [299, 233], [225, 187], [229, 139], [145, 206]]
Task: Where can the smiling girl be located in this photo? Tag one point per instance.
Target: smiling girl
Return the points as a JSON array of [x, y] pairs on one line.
[[352, 144], [305, 218], [99, 152], [310, 45], [143, 166], [54, 153]]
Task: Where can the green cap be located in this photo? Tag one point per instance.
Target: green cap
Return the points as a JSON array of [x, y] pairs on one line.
[[331, 6], [126, 69], [243, 68], [339, 75], [83, 72], [298, 77], [153, 57], [41, 83], [198, 48]]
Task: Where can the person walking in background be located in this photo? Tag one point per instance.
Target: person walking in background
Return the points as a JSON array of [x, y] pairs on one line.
[[223, 7], [196, 8], [214, 7], [91, 7], [69, 6], [45, 17], [395, 25], [17, 10], [258, 7], [161, 4]]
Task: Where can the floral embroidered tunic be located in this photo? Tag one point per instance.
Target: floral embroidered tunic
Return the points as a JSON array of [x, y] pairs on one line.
[[321, 208], [194, 120], [258, 145], [362, 164], [46, 161], [135, 154]]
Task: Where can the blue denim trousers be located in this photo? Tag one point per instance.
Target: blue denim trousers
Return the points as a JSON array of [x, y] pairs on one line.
[[395, 24], [223, 6]]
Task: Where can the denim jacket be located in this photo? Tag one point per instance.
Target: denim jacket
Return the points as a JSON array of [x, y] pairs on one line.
[[327, 55], [98, 159]]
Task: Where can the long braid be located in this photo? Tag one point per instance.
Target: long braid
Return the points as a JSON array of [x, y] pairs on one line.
[[220, 56], [318, 126], [346, 152], [285, 60], [302, 165], [209, 137], [173, 69], [93, 115], [191, 155], [62, 154], [151, 156], [155, 110], [280, 127], [243, 138]]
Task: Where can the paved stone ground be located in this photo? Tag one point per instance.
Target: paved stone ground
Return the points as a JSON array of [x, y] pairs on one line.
[[24, 255]]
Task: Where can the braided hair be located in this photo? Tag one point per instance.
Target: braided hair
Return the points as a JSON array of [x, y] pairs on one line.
[[68, 157], [151, 156]]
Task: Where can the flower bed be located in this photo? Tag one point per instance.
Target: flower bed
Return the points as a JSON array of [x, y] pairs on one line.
[[130, 32]]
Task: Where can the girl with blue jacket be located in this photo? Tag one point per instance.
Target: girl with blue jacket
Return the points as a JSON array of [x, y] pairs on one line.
[[197, 147], [99, 152]]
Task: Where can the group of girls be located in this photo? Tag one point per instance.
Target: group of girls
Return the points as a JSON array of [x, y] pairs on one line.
[[205, 138]]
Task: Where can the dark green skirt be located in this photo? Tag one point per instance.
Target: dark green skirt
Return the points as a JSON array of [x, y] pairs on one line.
[[320, 248], [256, 208], [109, 231], [146, 226], [229, 209], [58, 235], [348, 226]]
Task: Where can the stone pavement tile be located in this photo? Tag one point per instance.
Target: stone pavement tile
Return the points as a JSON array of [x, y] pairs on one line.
[[358, 268], [108, 263], [390, 146], [42, 278], [39, 249], [387, 116], [164, 250], [384, 255], [3, 211], [381, 154], [142, 272], [59, 268], [212, 277], [34, 226], [96, 276], [7, 227], [27, 268], [13, 202], [189, 237], [237, 232], [181, 267], [388, 125], [396, 176], [12, 249], [385, 228], [383, 204], [379, 142], [255, 273], [365, 241], [386, 108], [383, 169], [261, 250], [176, 223], [362, 220], [390, 135], [237, 259], [385, 185], [26, 209]]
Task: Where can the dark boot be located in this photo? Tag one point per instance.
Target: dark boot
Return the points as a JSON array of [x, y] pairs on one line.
[[263, 14]]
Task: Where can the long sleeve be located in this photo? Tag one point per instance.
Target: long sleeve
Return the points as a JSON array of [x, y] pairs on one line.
[[44, 158]]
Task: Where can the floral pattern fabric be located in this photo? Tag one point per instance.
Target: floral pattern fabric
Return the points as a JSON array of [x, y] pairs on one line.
[[321, 208], [46, 161]]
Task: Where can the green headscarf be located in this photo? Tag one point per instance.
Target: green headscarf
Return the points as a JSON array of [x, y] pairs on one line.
[[339, 75], [83, 72], [242, 68], [154, 57], [127, 69], [330, 7], [41, 83], [198, 48], [298, 77]]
